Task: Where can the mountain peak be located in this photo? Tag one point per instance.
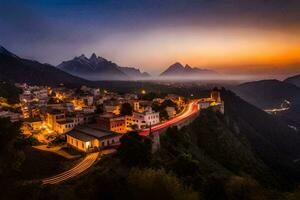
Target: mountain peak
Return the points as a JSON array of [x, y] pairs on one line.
[[177, 69], [93, 56], [99, 68], [187, 67], [176, 65], [82, 56], [4, 51]]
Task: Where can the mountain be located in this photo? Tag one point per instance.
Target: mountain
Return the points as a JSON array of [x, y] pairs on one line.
[[294, 80], [177, 70], [16, 69], [273, 94], [245, 142], [134, 72], [268, 93], [271, 139], [98, 68]]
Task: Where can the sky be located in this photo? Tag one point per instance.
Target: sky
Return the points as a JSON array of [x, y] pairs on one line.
[[259, 37]]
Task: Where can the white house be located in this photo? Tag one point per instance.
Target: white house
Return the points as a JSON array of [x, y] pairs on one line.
[[143, 119]]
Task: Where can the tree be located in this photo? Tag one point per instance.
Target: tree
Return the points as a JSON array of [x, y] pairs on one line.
[[10, 154], [126, 109], [169, 103], [135, 150], [157, 184], [186, 166], [163, 114], [243, 188]]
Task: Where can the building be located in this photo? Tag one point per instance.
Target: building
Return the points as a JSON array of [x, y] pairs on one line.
[[176, 99], [213, 101], [111, 122], [215, 95], [171, 111], [34, 123], [87, 139], [112, 107], [61, 123], [136, 106], [142, 119], [11, 115], [53, 116], [64, 126], [88, 100]]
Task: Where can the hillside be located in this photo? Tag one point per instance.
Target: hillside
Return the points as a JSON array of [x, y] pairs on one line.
[[268, 93], [246, 140], [98, 68], [244, 154], [294, 80], [9, 92], [272, 140], [20, 70], [177, 70]]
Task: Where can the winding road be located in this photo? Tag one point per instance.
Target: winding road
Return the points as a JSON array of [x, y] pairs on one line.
[[191, 109], [86, 163]]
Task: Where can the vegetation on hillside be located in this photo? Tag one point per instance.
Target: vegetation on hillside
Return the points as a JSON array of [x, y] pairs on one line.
[[9, 92], [244, 154]]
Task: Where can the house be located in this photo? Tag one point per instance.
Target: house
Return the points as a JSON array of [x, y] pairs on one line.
[[86, 138], [142, 119], [34, 123], [112, 107], [111, 122], [53, 116], [64, 126]]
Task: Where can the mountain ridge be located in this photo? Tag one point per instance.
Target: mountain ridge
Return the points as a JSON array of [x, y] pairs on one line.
[[16, 69], [98, 68], [294, 80], [178, 70]]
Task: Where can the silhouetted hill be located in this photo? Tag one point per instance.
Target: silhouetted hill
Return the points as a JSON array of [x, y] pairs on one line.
[[177, 70], [245, 141], [9, 91], [274, 142], [98, 68], [20, 70], [273, 94], [268, 93], [294, 80]]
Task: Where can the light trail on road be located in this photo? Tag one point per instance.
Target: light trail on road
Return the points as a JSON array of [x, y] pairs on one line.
[[192, 108], [86, 163], [89, 160]]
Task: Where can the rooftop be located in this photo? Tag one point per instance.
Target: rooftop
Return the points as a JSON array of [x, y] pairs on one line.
[[80, 136], [54, 112], [95, 132], [65, 121]]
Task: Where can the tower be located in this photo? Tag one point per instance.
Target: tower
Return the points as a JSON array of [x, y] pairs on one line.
[[215, 95]]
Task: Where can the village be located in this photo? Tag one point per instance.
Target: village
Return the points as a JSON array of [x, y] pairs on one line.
[[90, 119]]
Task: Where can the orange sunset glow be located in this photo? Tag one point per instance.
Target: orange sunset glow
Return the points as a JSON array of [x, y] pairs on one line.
[[234, 50]]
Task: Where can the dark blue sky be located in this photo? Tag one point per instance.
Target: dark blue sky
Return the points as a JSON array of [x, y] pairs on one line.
[[55, 30]]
